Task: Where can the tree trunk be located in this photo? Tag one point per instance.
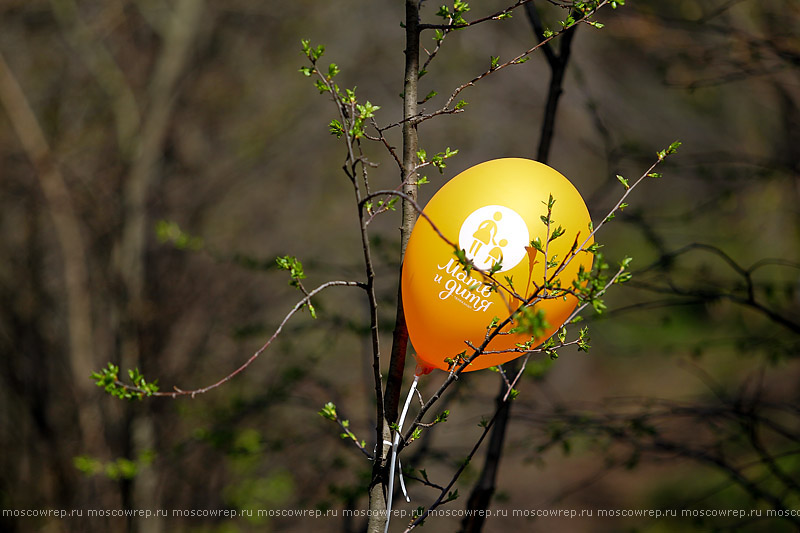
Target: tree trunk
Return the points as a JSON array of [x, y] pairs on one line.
[[378, 487]]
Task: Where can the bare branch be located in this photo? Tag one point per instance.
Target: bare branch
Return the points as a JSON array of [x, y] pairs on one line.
[[298, 306], [446, 109], [494, 16]]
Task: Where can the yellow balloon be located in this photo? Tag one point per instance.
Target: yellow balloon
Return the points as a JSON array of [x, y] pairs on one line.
[[492, 211]]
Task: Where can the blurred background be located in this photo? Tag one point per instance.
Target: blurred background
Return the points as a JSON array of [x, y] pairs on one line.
[[156, 156]]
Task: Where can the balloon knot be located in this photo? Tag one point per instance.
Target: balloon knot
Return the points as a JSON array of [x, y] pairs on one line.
[[422, 369]]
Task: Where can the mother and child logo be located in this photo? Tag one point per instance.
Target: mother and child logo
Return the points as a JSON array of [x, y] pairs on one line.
[[494, 234]]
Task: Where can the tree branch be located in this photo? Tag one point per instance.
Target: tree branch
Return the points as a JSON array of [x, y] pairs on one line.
[[176, 392]]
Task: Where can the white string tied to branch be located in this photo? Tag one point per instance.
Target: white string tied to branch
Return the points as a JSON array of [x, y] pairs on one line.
[[394, 459]]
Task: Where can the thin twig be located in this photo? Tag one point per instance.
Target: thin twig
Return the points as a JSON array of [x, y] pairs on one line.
[[520, 58], [495, 16], [298, 306]]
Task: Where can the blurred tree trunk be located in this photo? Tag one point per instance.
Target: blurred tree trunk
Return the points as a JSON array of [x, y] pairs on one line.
[[481, 495], [80, 347], [135, 308]]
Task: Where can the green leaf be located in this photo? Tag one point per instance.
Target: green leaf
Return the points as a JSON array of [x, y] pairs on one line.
[[367, 110], [169, 232], [550, 202], [438, 159], [312, 53], [674, 147], [333, 70], [328, 411], [312, 310], [108, 379], [599, 306], [671, 149], [87, 465], [122, 468], [465, 263], [558, 232], [336, 128], [294, 266], [593, 248], [583, 341], [390, 204], [624, 277], [530, 321], [322, 86], [623, 181]]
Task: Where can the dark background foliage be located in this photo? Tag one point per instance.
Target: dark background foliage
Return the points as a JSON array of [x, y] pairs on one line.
[[194, 113]]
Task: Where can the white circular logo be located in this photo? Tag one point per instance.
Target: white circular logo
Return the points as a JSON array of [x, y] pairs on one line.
[[494, 234]]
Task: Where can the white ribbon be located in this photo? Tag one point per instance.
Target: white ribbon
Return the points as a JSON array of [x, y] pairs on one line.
[[394, 456]]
